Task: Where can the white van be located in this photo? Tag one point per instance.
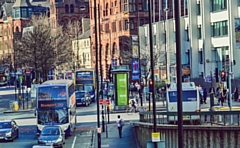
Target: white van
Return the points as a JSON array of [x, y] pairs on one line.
[[42, 146]]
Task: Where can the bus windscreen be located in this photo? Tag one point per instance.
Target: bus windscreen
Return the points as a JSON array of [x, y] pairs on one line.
[[187, 96], [52, 93]]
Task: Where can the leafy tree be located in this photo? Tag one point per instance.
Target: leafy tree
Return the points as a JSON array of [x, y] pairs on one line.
[[42, 47]]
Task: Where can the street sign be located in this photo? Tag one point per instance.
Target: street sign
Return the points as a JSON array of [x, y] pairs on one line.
[[104, 102]]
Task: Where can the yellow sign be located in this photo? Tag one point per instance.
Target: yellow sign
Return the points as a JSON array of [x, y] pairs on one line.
[[156, 137]]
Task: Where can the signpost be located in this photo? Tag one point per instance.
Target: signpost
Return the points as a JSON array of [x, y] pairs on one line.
[[104, 102]]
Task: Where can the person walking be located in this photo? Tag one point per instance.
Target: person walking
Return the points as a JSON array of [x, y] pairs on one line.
[[235, 94], [205, 95], [120, 124]]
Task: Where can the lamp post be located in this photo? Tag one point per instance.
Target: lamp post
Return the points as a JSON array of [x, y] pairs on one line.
[[96, 65], [166, 52], [150, 6], [179, 72], [101, 73]]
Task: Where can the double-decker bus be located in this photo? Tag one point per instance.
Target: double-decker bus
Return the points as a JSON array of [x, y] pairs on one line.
[[56, 105], [85, 80]]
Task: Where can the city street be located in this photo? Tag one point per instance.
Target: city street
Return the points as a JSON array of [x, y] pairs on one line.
[[82, 136]]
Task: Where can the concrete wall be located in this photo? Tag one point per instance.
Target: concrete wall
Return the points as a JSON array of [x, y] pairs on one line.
[[194, 136]]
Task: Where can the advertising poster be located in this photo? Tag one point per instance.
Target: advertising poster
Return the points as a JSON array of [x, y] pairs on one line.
[[122, 89], [237, 32], [114, 62], [135, 69]]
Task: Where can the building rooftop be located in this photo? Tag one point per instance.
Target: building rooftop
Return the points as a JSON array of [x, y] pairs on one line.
[[21, 3]]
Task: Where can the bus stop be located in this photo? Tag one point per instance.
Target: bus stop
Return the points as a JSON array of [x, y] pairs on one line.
[[121, 82]]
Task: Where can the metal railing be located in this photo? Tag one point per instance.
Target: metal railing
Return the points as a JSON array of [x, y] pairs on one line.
[[206, 117]]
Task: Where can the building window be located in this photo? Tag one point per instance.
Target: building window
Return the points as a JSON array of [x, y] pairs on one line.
[[186, 34], [126, 24], [200, 57], [131, 24], [71, 8], [198, 9], [220, 28], [145, 5], [17, 12], [114, 27], [106, 11], [120, 25], [126, 5], [29, 12], [24, 13], [154, 39], [114, 48], [218, 5], [141, 22], [199, 32], [66, 9]]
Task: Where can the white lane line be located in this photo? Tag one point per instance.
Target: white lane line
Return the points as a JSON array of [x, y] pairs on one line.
[[74, 141], [106, 145]]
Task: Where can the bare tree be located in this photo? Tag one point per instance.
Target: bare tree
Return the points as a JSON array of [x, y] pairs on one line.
[[74, 30], [126, 53], [42, 47]]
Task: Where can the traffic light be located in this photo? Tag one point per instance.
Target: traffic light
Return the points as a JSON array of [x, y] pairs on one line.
[[216, 74], [150, 85], [223, 75]]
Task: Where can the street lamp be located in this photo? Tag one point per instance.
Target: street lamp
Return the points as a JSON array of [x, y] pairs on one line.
[[96, 65], [166, 52]]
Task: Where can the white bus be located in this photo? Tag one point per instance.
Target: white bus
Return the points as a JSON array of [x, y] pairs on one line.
[[56, 105], [190, 101]]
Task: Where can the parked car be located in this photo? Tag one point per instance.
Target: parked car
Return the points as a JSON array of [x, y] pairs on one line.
[[8, 130], [52, 136], [83, 98]]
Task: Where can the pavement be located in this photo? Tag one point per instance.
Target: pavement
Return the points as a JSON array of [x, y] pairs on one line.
[[110, 138]]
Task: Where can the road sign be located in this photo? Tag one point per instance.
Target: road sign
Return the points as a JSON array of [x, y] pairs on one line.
[[104, 102], [155, 136]]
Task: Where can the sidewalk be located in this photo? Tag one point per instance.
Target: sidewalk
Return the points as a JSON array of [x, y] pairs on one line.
[[225, 104], [28, 106], [113, 141]]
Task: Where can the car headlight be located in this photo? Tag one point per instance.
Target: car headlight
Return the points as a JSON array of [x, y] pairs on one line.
[[9, 133], [59, 140]]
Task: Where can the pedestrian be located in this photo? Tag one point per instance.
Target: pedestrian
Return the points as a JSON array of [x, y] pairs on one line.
[[120, 124], [205, 95], [212, 90], [228, 97], [219, 95], [235, 95]]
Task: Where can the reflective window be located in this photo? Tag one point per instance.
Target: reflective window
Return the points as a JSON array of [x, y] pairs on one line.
[[50, 117], [24, 12]]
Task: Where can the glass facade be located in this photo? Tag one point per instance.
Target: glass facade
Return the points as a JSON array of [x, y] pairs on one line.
[[26, 12]]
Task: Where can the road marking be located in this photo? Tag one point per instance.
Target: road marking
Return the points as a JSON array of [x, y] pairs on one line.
[[106, 145], [74, 141]]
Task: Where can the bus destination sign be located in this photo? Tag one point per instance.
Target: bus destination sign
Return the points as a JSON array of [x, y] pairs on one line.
[[50, 104]]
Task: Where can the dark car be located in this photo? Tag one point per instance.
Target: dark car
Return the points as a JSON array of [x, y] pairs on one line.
[[83, 98], [8, 130], [52, 136]]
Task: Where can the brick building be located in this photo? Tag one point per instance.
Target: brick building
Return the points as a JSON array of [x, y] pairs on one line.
[[65, 11], [119, 21]]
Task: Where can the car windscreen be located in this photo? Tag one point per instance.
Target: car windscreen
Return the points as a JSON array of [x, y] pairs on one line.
[[80, 94], [50, 131], [4, 125]]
